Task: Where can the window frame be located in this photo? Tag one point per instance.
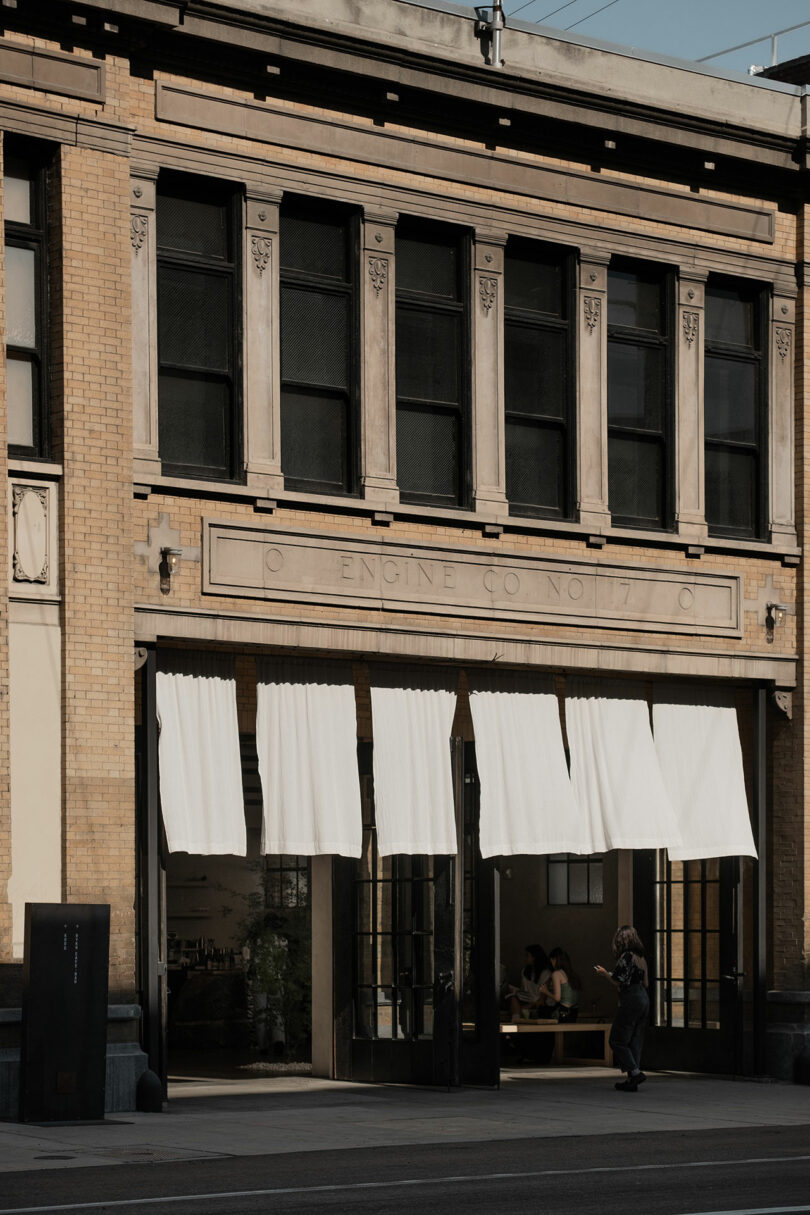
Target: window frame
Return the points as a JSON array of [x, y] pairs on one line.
[[233, 469], [34, 236], [569, 861], [759, 357], [351, 289], [635, 336], [415, 301], [548, 323]]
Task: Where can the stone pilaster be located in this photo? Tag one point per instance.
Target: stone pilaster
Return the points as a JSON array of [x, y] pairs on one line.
[[488, 413], [690, 456], [143, 239], [592, 459], [262, 342], [378, 412]]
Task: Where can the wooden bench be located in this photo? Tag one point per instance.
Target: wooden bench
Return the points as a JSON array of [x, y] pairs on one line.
[[559, 1031]]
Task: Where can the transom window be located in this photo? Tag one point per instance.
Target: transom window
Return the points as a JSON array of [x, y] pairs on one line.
[[735, 391], [538, 374], [432, 360], [639, 394], [198, 327], [24, 196], [575, 880], [319, 346]]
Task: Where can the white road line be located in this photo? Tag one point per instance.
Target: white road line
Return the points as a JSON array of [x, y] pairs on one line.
[[802, 1210], [423, 1181]]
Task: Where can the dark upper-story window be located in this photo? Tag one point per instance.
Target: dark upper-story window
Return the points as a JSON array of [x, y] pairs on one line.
[[24, 201], [539, 377], [198, 327], [319, 346], [432, 362], [639, 367], [735, 395]]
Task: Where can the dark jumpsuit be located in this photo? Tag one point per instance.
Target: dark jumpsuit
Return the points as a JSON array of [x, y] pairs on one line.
[[627, 1033]]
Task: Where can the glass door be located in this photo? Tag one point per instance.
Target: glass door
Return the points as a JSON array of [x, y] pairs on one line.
[[690, 917]]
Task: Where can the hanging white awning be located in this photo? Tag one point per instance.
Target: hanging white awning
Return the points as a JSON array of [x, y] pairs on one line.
[[306, 739], [198, 751], [412, 715], [527, 803], [615, 773], [698, 744]]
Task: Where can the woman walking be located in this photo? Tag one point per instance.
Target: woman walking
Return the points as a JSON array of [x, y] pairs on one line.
[[630, 976]]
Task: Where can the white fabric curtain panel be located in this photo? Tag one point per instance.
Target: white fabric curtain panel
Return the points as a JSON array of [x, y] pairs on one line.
[[306, 739], [412, 715], [198, 752], [527, 803], [615, 773], [698, 743]]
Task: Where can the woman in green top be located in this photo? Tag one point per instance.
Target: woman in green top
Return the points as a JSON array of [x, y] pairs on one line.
[[563, 987]]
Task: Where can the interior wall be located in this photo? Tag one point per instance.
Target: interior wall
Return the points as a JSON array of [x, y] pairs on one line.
[[584, 932]]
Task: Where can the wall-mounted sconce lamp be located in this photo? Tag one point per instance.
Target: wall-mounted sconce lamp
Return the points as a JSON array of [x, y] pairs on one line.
[[169, 561], [774, 615]]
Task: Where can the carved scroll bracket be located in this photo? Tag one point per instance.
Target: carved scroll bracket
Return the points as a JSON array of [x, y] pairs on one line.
[[378, 272], [261, 248], [691, 321], [783, 342], [593, 310], [139, 226], [488, 291]]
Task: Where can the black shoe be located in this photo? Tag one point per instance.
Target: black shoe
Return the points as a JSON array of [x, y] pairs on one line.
[[639, 1078], [626, 1086]]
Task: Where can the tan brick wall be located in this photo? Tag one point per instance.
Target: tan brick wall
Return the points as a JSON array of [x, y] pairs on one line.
[[5, 771], [98, 746]]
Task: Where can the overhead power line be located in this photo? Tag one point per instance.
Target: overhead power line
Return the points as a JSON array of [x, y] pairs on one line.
[[593, 14]]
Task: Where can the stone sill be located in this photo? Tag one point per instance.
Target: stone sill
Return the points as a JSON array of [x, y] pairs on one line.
[[35, 468], [502, 523]]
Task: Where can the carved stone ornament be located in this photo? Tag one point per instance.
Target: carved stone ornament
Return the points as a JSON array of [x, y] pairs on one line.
[[139, 225], [30, 511], [691, 321], [784, 702], [593, 311], [488, 290], [260, 247], [378, 272], [783, 340]]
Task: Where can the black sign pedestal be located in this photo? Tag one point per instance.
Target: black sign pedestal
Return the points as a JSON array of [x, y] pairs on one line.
[[64, 1012]]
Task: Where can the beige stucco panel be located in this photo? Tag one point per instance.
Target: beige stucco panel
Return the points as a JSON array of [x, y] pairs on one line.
[[36, 802]]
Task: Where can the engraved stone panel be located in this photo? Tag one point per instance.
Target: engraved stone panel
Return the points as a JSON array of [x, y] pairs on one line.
[[30, 534], [309, 567], [33, 552]]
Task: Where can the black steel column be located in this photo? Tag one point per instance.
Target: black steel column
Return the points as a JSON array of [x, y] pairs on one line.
[[760, 977], [150, 963]]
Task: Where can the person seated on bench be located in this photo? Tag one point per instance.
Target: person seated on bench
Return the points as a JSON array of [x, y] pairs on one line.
[[535, 973], [563, 988]]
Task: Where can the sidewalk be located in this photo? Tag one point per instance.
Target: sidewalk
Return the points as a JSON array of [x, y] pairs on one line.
[[206, 1119]]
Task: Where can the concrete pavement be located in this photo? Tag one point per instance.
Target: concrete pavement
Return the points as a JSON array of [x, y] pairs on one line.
[[207, 1119]]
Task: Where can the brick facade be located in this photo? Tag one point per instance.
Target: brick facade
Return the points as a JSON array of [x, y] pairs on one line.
[[110, 598]]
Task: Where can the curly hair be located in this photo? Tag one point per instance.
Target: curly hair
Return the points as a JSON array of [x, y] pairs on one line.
[[626, 938]]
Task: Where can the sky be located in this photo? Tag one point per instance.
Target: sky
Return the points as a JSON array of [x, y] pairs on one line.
[[686, 29]]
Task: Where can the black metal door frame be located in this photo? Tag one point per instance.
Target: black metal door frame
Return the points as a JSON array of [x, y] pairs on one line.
[[151, 882]]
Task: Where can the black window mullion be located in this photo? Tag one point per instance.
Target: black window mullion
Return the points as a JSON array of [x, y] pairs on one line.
[[633, 489], [199, 415], [737, 332], [33, 236], [432, 450]]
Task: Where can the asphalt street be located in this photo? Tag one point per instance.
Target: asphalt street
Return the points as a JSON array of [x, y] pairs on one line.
[[742, 1171]]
